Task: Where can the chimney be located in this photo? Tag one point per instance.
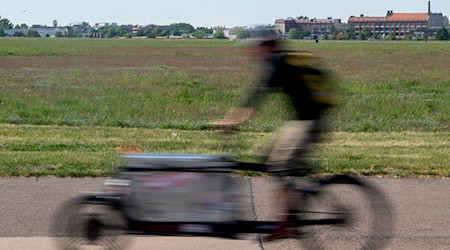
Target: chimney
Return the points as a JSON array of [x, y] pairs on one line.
[[390, 12], [429, 7], [362, 15]]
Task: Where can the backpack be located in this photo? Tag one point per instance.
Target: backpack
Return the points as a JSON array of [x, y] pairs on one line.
[[309, 71]]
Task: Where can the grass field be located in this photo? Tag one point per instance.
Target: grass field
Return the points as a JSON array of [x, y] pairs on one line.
[[67, 104]]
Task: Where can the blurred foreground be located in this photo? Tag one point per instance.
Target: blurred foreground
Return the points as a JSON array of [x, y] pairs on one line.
[[421, 208], [139, 243]]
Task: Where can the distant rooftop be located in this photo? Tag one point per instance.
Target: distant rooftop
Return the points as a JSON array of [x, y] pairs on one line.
[[408, 17], [366, 19], [393, 17]]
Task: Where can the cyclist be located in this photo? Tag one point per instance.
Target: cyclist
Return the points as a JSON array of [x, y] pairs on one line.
[[296, 74]]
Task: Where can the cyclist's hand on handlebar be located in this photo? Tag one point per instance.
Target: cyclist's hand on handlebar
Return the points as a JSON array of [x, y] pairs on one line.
[[236, 116]]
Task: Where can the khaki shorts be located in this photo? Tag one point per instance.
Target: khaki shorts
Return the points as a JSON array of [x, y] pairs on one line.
[[292, 143]]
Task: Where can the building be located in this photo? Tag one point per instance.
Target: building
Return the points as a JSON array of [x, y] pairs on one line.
[[230, 33], [314, 26], [282, 26], [401, 24], [43, 31]]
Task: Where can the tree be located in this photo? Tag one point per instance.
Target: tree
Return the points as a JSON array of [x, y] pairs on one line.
[[112, 31], [165, 33], [24, 26], [262, 31], [152, 33], [219, 35], [199, 34], [294, 34], [365, 34], [70, 32], [185, 28], [302, 18], [38, 26], [144, 31], [205, 30], [59, 34], [33, 33], [55, 23], [350, 33], [304, 33], [85, 25], [5, 24], [391, 36], [442, 34], [333, 32], [242, 33], [176, 32]]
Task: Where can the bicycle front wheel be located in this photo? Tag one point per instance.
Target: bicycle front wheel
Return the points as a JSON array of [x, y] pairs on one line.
[[345, 213]]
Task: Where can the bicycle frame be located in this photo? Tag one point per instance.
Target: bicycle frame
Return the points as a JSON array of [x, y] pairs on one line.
[[228, 229], [102, 218]]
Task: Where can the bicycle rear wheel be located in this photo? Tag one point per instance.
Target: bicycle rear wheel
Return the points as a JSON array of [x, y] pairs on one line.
[[83, 224], [354, 214]]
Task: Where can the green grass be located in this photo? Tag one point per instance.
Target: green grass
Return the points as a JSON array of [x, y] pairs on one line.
[[153, 98], [30, 150], [382, 153], [93, 95], [389, 86], [91, 47]]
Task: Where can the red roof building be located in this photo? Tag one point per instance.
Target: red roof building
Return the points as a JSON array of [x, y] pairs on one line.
[[400, 24]]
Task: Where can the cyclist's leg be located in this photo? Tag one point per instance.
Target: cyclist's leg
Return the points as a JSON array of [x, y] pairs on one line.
[[287, 227], [292, 143]]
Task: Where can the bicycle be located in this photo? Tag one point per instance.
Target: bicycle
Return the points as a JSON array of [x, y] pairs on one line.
[[325, 216]]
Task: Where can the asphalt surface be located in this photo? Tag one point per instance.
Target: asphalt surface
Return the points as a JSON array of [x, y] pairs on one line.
[[421, 208]]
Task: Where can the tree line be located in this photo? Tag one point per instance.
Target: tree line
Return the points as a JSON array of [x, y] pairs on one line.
[[111, 31], [186, 29]]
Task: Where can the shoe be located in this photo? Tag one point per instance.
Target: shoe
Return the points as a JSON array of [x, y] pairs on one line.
[[283, 232]]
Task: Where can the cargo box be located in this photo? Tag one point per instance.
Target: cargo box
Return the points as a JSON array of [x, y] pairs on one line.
[[182, 188]]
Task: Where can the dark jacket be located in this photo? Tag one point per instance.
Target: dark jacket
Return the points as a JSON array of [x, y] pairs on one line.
[[301, 83]]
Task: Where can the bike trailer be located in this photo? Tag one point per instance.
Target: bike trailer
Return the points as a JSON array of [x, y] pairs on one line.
[[180, 187]]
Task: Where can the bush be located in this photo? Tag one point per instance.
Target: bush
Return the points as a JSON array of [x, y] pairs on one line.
[[294, 34], [19, 34], [391, 36], [219, 35], [199, 35], [442, 34]]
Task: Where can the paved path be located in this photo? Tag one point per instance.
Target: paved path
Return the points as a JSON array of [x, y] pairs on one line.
[[422, 209]]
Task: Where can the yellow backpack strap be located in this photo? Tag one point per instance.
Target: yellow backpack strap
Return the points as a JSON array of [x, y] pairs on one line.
[[301, 60], [315, 79]]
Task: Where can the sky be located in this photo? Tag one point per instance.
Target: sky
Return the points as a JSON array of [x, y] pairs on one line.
[[202, 13]]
